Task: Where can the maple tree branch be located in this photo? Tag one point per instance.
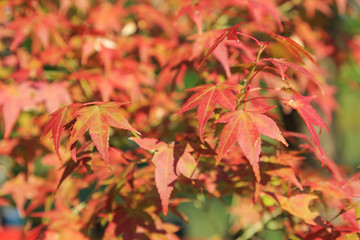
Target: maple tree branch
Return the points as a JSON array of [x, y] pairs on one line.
[[251, 75], [260, 88], [275, 98], [257, 227], [248, 84], [248, 78]]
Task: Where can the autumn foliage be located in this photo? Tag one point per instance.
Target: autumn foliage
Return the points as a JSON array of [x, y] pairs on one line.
[[114, 113]]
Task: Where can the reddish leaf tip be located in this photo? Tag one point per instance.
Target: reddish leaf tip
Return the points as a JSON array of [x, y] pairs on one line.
[[257, 176]]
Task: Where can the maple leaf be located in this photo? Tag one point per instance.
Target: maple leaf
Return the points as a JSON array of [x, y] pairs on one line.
[[195, 13], [259, 8], [127, 221], [14, 99], [23, 188], [279, 167], [311, 147], [230, 34], [327, 102], [302, 105], [245, 126], [155, 17], [42, 25], [206, 98], [105, 87], [298, 205], [57, 123], [282, 65], [294, 48], [312, 6], [80, 4], [70, 166], [222, 55], [331, 188], [52, 55], [97, 118], [170, 160], [20, 26], [105, 17], [54, 95]]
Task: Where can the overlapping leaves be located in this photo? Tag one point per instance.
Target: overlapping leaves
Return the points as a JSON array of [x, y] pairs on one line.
[[170, 160], [80, 118], [206, 98]]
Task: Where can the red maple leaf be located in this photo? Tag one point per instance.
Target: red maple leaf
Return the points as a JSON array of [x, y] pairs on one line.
[[57, 123], [245, 126], [282, 65], [97, 118], [42, 26], [294, 48], [258, 9], [13, 99], [230, 34], [54, 95], [170, 160], [195, 13], [302, 105], [105, 17], [206, 98]]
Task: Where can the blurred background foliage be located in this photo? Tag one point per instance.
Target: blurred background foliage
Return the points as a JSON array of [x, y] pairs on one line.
[[347, 79]]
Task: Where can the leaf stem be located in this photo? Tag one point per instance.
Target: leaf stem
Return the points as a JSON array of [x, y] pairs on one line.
[[281, 99], [249, 88], [259, 226], [259, 89], [248, 78]]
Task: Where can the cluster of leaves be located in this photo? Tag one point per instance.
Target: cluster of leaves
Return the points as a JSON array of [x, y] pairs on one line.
[[75, 66]]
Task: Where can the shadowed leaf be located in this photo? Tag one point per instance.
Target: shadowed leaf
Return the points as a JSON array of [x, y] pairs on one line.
[[169, 161], [57, 124]]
